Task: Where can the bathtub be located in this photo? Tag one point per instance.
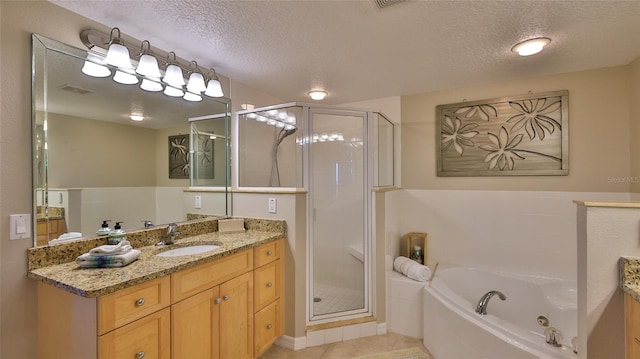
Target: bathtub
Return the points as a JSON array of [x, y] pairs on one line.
[[453, 330]]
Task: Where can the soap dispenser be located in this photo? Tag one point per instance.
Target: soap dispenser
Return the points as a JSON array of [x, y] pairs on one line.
[[117, 235], [104, 230]]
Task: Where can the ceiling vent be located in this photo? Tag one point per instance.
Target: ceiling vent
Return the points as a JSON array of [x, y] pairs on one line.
[[75, 89], [384, 3]]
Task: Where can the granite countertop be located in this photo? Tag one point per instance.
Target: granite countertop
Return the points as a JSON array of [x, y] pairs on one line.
[[630, 276], [95, 282]]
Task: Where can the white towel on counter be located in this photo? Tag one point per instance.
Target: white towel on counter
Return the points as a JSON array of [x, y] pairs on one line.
[[119, 260], [111, 249], [412, 269]]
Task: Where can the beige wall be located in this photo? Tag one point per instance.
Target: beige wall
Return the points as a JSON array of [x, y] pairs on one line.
[[89, 153], [598, 126], [634, 76]]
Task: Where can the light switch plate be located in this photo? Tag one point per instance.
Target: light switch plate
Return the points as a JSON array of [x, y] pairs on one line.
[[198, 203], [19, 226]]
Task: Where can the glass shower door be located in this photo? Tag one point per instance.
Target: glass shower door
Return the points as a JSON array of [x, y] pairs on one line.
[[339, 201]]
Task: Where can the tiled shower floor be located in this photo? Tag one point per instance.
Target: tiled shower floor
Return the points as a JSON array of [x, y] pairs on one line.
[[334, 299]]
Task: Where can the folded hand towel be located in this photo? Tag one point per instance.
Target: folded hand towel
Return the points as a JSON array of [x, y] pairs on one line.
[[120, 260], [412, 269], [111, 249]]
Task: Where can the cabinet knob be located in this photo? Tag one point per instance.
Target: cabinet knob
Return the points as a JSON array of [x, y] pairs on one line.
[[269, 326], [140, 303], [218, 300], [225, 297], [140, 355], [269, 252], [269, 285]]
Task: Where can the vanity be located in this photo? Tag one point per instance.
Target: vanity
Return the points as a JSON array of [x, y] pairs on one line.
[[630, 284], [223, 303]]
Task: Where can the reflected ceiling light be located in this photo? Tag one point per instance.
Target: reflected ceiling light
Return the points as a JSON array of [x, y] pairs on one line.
[[531, 46], [173, 92], [136, 117], [94, 66], [151, 84], [124, 77], [118, 54], [196, 80], [148, 64], [317, 94], [214, 89], [190, 96], [173, 74]]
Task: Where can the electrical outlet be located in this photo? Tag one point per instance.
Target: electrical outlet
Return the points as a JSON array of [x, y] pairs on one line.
[[198, 203], [273, 205]]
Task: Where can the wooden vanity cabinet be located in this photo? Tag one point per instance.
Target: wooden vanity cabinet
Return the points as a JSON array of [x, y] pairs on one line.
[[217, 322], [131, 323], [632, 318], [229, 308], [268, 295], [48, 230]]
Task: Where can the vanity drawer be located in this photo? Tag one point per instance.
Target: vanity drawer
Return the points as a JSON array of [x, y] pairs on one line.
[[267, 327], [149, 337], [267, 252], [266, 283], [191, 281], [126, 305]]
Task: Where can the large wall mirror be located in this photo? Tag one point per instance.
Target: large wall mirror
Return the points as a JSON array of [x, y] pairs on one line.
[[92, 163]]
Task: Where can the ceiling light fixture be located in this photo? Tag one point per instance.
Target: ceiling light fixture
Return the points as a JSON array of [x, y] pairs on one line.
[[196, 80], [214, 89], [118, 54], [531, 46], [317, 94], [110, 53], [135, 117], [148, 64], [94, 66]]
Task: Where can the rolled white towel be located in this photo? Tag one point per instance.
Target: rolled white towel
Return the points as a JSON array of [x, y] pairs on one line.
[[111, 249], [412, 269], [120, 260]]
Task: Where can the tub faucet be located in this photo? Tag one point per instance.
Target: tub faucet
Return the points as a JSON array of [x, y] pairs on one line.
[[481, 308], [553, 336]]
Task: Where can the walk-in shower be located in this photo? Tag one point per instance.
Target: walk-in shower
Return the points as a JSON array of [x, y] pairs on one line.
[[337, 156]]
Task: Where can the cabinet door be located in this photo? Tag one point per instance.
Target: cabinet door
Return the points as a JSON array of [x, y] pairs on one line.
[[236, 318], [195, 326], [632, 327], [267, 284], [146, 338], [268, 327]]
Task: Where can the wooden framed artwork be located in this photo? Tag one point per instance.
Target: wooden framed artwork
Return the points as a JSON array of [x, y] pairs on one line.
[[511, 136]]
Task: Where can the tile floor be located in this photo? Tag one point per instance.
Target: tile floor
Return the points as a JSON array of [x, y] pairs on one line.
[[347, 349], [334, 299]]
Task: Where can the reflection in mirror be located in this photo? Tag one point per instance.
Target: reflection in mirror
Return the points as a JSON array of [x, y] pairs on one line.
[[91, 162]]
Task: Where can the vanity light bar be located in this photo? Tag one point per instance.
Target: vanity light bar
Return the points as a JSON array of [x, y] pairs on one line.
[[107, 51], [280, 119]]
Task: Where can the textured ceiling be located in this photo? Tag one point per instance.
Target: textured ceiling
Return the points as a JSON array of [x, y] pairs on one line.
[[357, 51]]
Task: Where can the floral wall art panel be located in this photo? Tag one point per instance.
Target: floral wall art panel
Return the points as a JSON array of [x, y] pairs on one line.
[[521, 135], [180, 159]]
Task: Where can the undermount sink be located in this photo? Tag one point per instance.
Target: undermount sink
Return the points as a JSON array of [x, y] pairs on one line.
[[189, 250]]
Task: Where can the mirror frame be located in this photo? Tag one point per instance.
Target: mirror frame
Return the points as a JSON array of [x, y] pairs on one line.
[[38, 89]]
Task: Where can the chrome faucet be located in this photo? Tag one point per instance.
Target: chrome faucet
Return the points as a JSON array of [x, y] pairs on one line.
[[481, 308], [171, 234], [553, 336], [147, 223]]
